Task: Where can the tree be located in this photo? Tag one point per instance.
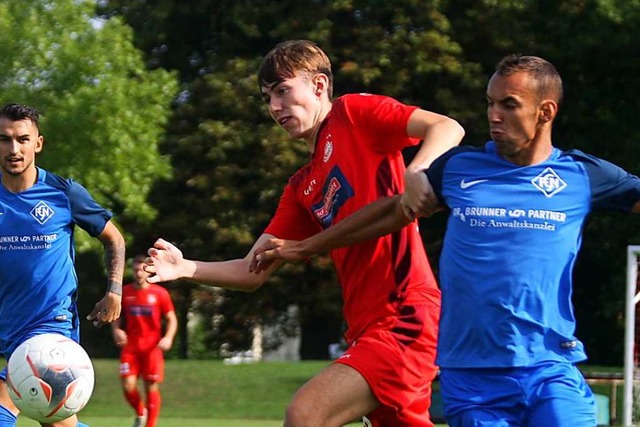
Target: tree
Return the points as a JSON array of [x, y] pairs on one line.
[[231, 161], [103, 111]]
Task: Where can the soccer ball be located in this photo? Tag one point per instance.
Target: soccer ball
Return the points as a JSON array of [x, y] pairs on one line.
[[50, 377]]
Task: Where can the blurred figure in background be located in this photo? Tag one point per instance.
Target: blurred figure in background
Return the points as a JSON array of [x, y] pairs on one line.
[[138, 332]]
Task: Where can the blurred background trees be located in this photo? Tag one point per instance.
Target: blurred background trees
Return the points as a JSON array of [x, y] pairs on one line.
[[213, 166]]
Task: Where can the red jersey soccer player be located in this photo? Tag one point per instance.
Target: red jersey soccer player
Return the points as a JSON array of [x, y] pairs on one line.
[[139, 333], [391, 301]]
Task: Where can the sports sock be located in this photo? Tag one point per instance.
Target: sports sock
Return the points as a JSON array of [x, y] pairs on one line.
[[154, 401], [133, 397], [7, 419]]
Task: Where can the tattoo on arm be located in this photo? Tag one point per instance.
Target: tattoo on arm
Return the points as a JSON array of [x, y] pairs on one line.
[[114, 260], [114, 287]]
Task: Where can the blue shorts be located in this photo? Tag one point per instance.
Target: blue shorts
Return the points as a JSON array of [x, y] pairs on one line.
[[64, 329], [553, 394]]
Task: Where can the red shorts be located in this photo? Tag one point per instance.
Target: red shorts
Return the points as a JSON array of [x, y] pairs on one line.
[[148, 365], [398, 363]]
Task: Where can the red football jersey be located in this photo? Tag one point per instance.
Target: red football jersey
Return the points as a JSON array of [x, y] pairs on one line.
[[142, 314], [357, 160]]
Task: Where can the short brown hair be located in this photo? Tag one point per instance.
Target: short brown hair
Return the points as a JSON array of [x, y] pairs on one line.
[[139, 259], [15, 112], [289, 58], [544, 73]]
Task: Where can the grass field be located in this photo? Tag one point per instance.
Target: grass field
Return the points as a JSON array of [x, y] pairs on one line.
[[209, 394], [203, 393]]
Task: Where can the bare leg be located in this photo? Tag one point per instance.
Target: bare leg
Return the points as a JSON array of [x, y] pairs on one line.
[[336, 396]]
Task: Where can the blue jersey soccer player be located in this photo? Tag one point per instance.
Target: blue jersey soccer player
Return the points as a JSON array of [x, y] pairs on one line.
[[506, 349], [38, 213]]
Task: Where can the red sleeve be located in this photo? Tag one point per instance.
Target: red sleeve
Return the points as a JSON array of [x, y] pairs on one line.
[[291, 221], [384, 118]]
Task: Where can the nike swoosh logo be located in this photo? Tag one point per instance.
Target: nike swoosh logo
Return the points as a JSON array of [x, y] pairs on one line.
[[466, 184]]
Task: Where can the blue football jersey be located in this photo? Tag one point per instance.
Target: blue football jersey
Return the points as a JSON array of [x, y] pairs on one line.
[[512, 239], [38, 282]]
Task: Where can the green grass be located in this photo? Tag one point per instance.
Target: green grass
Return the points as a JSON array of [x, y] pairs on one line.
[[210, 389], [204, 393], [211, 394]]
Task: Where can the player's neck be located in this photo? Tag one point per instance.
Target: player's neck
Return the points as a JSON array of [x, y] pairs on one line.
[[21, 182], [323, 112]]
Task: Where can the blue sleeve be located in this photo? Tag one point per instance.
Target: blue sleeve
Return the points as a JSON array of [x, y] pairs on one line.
[[435, 173], [85, 211], [611, 186]]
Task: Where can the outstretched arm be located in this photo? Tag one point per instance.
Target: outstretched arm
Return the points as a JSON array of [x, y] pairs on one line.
[[166, 263], [378, 218], [108, 308]]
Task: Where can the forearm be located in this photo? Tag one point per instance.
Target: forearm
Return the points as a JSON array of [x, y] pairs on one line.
[[171, 327], [114, 254], [377, 219], [232, 274], [439, 137]]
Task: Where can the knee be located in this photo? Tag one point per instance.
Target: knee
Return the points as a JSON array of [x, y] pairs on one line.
[[299, 414]]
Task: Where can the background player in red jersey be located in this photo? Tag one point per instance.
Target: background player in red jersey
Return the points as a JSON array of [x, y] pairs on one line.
[[391, 300], [138, 333]]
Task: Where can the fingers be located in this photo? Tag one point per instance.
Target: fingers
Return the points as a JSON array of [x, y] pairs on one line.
[[408, 212], [161, 244], [259, 262], [262, 265], [419, 196], [154, 278], [99, 317]]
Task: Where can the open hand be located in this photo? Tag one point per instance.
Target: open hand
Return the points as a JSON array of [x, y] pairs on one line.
[[164, 262]]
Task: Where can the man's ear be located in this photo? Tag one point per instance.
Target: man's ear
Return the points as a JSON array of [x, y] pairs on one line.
[[39, 143], [321, 83], [548, 110]]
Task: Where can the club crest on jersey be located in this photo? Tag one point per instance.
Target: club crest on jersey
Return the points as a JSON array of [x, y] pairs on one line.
[[328, 148], [335, 193], [549, 182], [42, 212]]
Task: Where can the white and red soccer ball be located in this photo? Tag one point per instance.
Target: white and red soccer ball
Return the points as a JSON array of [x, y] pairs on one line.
[[50, 377]]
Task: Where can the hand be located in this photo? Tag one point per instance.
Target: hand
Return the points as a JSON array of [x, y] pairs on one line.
[[119, 337], [164, 262], [106, 310], [418, 199], [273, 250], [165, 343]]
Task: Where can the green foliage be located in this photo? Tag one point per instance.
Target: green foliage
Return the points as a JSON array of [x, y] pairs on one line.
[[231, 161], [103, 111]]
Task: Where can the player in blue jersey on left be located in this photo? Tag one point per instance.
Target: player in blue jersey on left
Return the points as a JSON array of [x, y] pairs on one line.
[[38, 213], [506, 347]]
